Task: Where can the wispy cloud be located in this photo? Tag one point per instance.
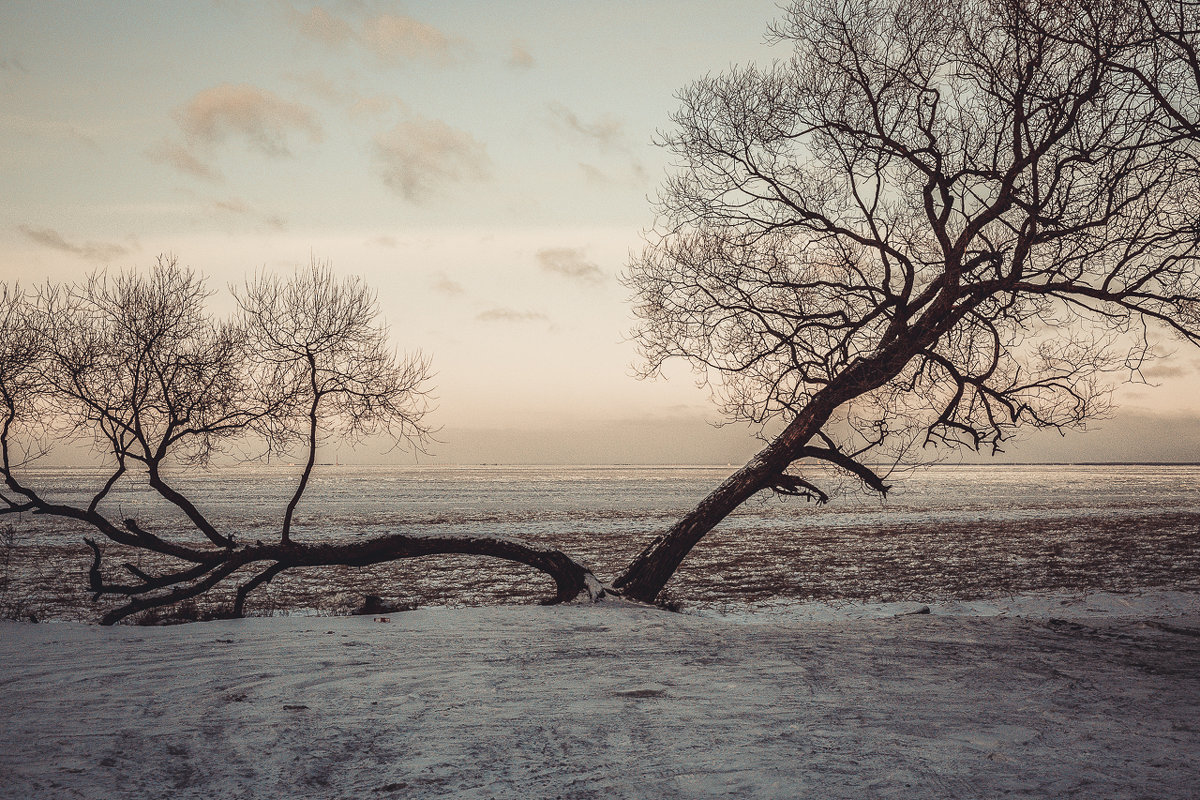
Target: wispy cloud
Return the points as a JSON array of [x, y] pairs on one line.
[[419, 156], [233, 206], [394, 39], [520, 57], [447, 286], [264, 120], [240, 208], [337, 93], [322, 87], [181, 158], [343, 96], [320, 25], [1159, 371], [569, 262], [510, 315], [593, 174], [605, 131], [43, 128], [92, 251], [374, 105], [397, 39]]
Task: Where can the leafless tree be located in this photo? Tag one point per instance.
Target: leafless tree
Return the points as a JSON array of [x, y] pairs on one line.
[[135, 364], [319, 339], [935, 222]]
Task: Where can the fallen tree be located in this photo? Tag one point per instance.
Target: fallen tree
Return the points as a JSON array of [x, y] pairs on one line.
[[134, 364]]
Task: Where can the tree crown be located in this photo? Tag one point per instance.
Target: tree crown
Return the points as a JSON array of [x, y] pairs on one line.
[[949, 218]]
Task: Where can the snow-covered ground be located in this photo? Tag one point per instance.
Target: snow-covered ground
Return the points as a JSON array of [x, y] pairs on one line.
[[1083, 697]]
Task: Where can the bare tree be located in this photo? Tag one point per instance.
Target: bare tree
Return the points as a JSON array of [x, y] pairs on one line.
[[134, 364], [20, 387], [319, 339], [937, 221]]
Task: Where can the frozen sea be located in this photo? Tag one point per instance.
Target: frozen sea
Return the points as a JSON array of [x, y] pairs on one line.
[[944, 534]]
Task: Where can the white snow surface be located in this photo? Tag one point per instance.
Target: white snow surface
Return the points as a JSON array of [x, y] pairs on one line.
[[614, 700]]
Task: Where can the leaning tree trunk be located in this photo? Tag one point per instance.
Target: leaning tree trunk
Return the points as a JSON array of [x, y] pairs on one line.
[[649, 572], [646, 576]]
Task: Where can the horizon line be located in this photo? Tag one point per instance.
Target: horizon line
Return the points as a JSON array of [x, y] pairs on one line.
[[662, 465]]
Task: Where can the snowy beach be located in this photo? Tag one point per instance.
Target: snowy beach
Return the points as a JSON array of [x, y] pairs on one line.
[[1054, 697], [1060, 656]]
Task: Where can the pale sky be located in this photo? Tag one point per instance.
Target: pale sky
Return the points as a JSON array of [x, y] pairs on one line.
[[484, 165]]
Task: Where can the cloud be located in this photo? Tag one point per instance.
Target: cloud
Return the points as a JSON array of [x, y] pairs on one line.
[[606, 131], [375, 105], [593, 174], [324, 27], [47, 129], [92, 251], [240, 208], [509, 315], [337, 94], [1159, 371], [233, 206], [519, 57], [176, 155], [418, 156], [322, 87], [447, 286], [396, 39], [263, 119], [569, 261]]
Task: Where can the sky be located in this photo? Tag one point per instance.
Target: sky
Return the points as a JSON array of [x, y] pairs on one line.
[[487, 167]]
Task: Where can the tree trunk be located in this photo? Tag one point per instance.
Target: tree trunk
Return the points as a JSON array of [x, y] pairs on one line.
[[570, 578], [646, 576]]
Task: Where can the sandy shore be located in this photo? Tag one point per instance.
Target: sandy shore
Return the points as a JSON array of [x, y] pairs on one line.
[[605, 701]]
